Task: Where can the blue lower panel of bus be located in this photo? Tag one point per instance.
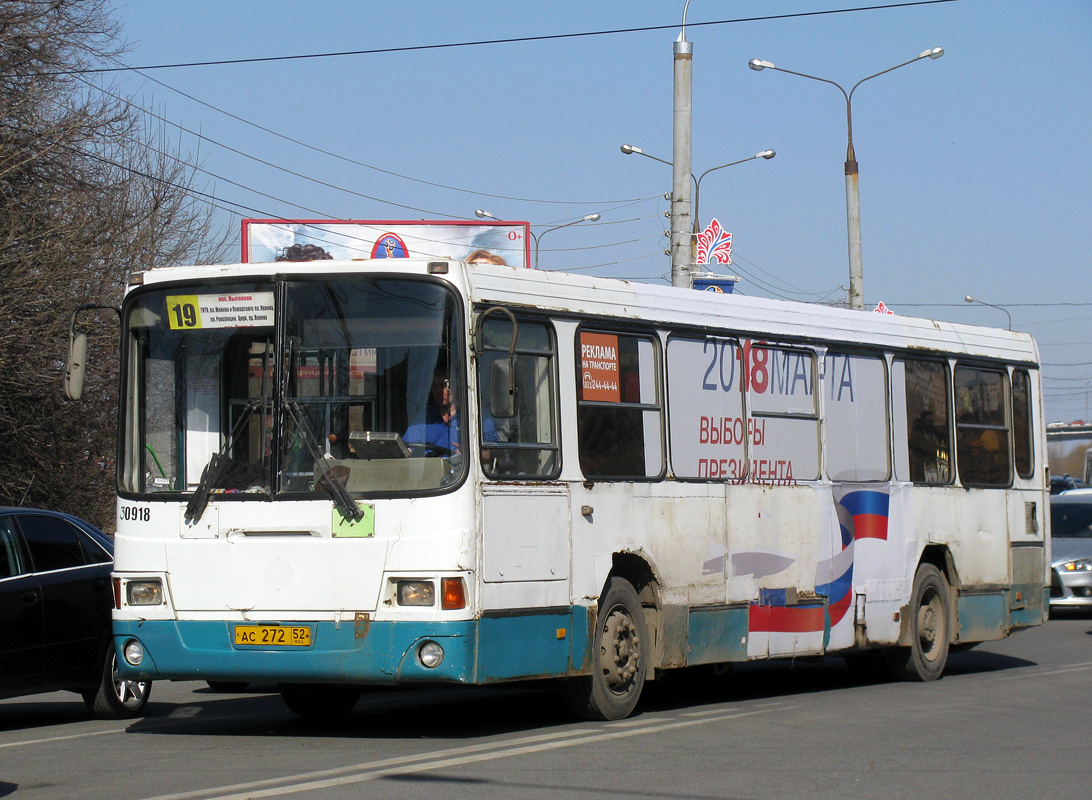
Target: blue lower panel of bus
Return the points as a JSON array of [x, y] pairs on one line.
[[718, 634], [544, 643]]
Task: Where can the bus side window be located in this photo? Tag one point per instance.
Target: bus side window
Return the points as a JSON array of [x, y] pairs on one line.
[[524, 445], [619, 414], [929, 436], [982, 442], [855, 395], [1021, 423]]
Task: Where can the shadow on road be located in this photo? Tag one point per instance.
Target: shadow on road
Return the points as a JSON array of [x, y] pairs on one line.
[[459, 713], [468, 712]]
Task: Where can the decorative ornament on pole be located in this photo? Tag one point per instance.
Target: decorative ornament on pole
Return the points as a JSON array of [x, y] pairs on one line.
[[714, 243]]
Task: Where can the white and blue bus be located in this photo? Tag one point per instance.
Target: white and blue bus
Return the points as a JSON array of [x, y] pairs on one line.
[[634, 478]]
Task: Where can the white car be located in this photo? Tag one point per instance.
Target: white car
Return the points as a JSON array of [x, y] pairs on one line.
[[1071, 545]]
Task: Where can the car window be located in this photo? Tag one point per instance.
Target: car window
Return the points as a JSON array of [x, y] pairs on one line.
[[1071, 520], [53, 543], [10, 560], [93, 552]]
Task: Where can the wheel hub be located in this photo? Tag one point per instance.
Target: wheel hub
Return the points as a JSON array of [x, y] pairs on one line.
[[621, 651]]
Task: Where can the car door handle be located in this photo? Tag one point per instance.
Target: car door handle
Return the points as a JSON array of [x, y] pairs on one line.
[[30, 597]]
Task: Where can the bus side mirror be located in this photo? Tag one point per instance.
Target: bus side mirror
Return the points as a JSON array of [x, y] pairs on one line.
[[502, 389], [77, 352], [76, 367]]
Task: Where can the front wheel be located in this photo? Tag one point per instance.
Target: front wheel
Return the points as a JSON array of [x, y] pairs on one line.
[[930, 629], [116, 697], [619, 658]]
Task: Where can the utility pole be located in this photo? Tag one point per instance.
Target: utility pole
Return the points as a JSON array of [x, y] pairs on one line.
[[681, 256]]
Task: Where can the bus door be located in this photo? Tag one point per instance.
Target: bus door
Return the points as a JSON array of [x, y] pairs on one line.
[[525, 512]]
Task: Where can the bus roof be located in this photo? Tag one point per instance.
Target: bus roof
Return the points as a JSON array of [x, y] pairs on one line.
[[649, 303]]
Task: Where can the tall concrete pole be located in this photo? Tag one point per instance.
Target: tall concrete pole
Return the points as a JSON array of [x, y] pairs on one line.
[[681, 257], [853, 218]]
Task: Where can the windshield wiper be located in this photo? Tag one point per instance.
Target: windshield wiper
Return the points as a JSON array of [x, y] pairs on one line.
[[343, 501], [217, 469]]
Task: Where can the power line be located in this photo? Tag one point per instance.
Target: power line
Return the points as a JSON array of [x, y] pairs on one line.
[[484, 42], [349, 160]]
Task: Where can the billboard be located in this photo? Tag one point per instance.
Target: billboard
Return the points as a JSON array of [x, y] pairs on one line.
[[310, 240]]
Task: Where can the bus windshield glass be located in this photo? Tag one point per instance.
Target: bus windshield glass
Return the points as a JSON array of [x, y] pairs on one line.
[[281, 387]]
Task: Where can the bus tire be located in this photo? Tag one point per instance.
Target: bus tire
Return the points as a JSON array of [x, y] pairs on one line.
[[115, 697], [619, 654], [316, 701], [930, 627]]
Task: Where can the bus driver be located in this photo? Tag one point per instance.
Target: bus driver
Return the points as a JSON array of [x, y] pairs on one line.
[[439, 427]]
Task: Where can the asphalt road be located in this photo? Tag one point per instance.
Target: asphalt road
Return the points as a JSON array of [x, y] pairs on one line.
[[1008, 720]]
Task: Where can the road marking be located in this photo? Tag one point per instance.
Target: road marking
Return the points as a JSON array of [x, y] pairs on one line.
[[62, 738], [453, 757]]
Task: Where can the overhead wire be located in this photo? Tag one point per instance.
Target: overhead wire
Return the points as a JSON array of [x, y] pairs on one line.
[[358, 163], [140, 71], [512, 40]]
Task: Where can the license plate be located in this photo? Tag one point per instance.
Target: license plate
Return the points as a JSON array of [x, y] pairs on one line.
[[273, 635]]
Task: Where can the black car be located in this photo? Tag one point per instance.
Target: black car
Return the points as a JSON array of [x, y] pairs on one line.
[[1062, 483], [55, 606]]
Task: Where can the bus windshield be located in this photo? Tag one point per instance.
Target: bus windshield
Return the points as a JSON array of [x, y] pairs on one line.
[[265, 388]]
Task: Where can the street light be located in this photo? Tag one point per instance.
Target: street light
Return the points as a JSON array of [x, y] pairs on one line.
[[969, 299], [853, 202], [766, 154], [586, 218], [629, 149]]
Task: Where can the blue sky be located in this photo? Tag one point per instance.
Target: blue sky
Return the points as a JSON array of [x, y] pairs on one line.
[[975, 168]]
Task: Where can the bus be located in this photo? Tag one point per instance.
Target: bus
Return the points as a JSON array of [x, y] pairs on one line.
[[634, 479]]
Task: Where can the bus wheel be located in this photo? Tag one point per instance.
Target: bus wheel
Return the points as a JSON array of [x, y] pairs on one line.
[[320, 702], [116, 697], [930, 629], [619, 658]]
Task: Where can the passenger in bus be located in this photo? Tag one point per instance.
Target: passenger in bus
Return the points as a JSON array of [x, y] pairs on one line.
[[924, 445]]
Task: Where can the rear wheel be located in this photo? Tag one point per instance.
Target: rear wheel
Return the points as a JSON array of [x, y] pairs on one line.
[[930, 629], [620, 658], [316, 701], [116, 697]]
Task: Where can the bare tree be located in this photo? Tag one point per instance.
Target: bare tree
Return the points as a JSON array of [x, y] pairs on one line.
[[90, 191]]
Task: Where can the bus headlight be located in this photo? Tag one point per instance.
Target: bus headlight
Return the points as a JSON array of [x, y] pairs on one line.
[[144, 593], [416, 593], [133, 652], [430, 654]]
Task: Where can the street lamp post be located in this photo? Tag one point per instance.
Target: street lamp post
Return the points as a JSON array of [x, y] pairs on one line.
[[766, 154], [629, 149], [969, 299], [853, 203], [537, 239], [586, 218]]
